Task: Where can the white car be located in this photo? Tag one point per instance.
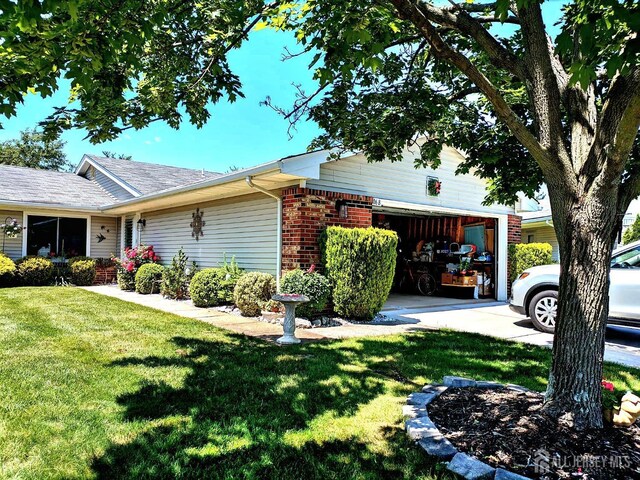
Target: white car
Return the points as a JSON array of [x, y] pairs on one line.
[[535, 291]]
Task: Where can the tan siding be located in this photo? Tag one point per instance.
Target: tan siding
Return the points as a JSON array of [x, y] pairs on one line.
[[12, 246], [245, 227], [543, 235], [401, 181], [111, 187], [109, 245]]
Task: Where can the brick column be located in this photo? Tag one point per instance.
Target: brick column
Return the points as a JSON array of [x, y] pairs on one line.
[[306, 212], [514, 235]]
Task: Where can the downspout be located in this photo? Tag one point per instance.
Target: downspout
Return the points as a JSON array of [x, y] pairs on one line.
[[249, 181]]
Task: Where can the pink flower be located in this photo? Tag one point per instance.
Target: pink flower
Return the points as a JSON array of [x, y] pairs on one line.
[[130, 267], [312, 268], [607, 385]]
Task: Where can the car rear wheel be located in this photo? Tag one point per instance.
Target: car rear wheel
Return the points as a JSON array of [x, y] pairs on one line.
[[543, 310]]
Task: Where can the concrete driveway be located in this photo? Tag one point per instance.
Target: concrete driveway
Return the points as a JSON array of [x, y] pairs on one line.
[[497, 320]]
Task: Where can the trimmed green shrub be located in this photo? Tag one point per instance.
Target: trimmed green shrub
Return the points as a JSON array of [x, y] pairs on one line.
[[83, 272], [176, 277], [526, 255], [73, 260], [149, 278], [126, 280], [311, 284], [360, 264], [252, 291], [232, 272], [208, 289], [7, 271], [35, 271]]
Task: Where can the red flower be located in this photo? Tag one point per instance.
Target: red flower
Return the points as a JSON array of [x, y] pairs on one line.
[[130, 267], [607, 385]]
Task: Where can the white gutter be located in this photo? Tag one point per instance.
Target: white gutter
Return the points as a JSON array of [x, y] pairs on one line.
[[249, 181]]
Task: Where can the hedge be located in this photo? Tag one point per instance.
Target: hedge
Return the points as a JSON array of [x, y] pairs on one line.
[[209, 288], [252, 291], [313, 285], [7, 271], [360, 264], [35, 271], [83, 271], [523, 256], [149, 278]]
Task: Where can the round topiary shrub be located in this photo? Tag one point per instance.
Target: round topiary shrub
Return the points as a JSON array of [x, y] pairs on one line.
[[148, 278], [311, 284], [253, 290], [207, 288], [83, 271], [360, 264], [35, 271], [7, 271]]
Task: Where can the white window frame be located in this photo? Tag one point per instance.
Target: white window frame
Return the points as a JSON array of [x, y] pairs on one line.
[[46, 213]]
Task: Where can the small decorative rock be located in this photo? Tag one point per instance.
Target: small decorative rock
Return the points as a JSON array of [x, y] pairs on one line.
[[450, 381], [421, 427], [438, 446], [506, 475], [420, 399], [413, 411], [470, 468]]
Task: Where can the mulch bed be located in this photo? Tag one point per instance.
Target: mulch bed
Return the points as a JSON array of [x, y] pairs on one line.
[[507, 429]]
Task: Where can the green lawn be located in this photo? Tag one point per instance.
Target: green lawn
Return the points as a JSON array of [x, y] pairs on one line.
[[94, 387]]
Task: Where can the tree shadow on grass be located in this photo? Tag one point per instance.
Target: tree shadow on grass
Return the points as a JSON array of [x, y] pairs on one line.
[[250, 409]]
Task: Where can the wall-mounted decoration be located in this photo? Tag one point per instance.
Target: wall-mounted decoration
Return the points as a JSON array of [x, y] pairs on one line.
[[197, 224], [101, 238], [434, 186]]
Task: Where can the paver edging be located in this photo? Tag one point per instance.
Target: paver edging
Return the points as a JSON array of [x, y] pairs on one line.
[[425, 433]]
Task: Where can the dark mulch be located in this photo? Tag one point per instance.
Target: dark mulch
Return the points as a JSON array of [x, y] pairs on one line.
[[507, 429]]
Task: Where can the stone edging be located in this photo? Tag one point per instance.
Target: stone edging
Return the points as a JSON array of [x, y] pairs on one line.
[[424, 432]]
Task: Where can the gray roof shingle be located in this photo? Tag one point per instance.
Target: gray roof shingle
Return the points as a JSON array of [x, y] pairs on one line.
[[29, 185], [151, 177]]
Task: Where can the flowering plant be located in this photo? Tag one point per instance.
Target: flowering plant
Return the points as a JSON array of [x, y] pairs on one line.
[[134, 257], [610, 396], [11, 228]]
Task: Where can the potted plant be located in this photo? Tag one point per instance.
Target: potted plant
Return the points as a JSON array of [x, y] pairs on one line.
[[620, 409], [271, 310]]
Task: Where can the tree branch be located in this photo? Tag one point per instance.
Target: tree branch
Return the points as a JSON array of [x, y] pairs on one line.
[[470, 27], [439, 48], [543, 87]]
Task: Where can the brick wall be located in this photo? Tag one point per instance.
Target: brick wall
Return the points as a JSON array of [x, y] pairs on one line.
[[514, 235], [105, 275], [306, 212]]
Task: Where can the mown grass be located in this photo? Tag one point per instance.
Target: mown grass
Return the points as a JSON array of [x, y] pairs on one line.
[[93, 387]]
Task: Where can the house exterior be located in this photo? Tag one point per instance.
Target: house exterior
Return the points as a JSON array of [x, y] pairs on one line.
[[537, 225], [269, 216]]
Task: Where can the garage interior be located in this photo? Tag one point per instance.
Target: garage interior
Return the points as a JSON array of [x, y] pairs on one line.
[[442, 256]]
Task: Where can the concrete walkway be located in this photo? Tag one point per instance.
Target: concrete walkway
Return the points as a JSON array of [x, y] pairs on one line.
[[484, 317]]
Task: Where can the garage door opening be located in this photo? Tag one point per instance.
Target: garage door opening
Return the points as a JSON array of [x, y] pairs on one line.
[[442, 259]]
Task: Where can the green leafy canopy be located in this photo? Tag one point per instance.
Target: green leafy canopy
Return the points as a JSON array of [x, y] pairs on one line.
[[380, 86]]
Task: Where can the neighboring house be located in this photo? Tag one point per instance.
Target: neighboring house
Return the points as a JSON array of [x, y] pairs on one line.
[[268, 217], [537, 227]]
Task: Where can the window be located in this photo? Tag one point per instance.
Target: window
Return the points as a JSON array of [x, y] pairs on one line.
[[128, 233], [56, 236], [530, 238], [628, 259]]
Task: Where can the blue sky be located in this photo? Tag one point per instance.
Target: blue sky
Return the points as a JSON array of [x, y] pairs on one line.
[[240, 134]]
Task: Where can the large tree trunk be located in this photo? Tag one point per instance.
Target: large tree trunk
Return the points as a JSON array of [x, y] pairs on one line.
[[585, 229]]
